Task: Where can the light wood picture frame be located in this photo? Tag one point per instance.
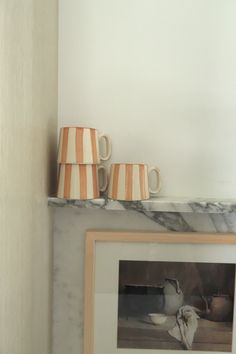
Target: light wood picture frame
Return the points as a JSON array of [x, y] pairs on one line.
[[106, 237]]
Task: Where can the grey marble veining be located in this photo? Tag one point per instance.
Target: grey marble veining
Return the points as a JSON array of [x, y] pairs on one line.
[[172, 205], [70, 225]]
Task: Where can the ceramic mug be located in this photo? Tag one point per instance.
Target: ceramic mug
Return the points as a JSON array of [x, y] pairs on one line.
[[80, 181], [81, 146], [131, 181]]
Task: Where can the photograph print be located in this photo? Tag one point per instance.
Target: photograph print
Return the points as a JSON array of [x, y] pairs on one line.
[[176, 306]]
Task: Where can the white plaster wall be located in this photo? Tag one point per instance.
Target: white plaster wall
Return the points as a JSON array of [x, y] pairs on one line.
[[28, 126], [159, 76]]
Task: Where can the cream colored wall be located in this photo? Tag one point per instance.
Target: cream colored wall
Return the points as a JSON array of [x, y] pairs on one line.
[[28, 114], [159, 77]]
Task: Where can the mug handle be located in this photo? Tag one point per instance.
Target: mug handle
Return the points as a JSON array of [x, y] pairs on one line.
[[158, 175], [108, 147], [105, 178]]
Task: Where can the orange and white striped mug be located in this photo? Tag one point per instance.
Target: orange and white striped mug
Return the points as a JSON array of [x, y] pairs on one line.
[[81, 146], [80, 181], [131, 181]]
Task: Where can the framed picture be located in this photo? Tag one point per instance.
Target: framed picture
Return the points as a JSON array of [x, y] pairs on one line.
[[159, 292]]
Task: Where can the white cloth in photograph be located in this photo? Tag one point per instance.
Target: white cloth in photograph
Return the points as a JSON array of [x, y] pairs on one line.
[[186, 326]]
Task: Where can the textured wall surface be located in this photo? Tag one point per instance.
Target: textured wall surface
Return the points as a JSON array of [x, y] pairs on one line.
[[159, 77], [28, 124]]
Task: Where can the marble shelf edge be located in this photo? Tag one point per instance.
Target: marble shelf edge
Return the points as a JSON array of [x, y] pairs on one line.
[[169, 205]]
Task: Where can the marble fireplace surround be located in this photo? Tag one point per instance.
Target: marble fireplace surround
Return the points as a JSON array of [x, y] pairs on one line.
[[73, 218]]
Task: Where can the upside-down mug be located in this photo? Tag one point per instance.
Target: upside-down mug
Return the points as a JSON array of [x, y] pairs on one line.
[[79, 145], [81, 181], [132, 181]]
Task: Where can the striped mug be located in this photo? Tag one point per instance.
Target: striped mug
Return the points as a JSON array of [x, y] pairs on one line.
[[81, 146], [131, 181], [80, 181]]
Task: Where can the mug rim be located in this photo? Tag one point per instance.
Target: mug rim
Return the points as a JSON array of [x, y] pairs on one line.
[[77, 164], [129, 163], [73, 126]]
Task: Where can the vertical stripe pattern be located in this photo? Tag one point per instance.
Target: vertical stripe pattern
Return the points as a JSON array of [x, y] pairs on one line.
[[78, 182], [136, 182], [128, 182], [142, 181], [67, 184], [64, 144], [93, 144], [60, 180], [78, 146], [83, 181], [115, 181], [95, 180]]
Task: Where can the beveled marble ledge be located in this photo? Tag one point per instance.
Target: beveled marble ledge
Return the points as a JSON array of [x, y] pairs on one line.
[[171, 205]]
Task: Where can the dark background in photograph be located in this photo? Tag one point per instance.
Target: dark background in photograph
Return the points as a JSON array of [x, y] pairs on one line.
[[195, 279]]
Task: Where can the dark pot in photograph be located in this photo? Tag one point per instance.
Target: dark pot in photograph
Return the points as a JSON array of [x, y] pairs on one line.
[[219, 308]]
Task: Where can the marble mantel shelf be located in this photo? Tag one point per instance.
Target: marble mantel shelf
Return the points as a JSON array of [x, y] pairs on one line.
[[171, 205]]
